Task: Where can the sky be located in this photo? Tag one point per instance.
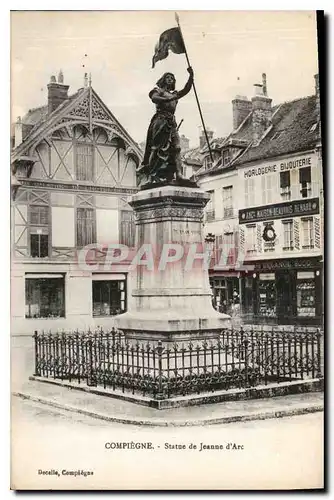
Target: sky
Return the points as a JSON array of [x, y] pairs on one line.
[[228, 50]]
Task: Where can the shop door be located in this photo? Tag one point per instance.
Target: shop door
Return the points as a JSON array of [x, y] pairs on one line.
[[286, 295]]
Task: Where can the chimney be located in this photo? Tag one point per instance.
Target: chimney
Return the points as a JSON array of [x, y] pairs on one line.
[[261, 117], [202, 138], [57, 92], [60, 77], [264, 84], [184, 142], [85, 81], [241, 108], [18, 132]]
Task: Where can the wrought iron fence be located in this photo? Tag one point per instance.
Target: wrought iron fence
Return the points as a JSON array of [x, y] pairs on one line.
[[237, 359]]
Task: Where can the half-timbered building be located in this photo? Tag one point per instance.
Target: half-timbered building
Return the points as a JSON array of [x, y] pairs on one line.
[[73, 167]]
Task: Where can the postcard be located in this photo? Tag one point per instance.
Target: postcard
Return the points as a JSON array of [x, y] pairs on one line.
[[167, 263]]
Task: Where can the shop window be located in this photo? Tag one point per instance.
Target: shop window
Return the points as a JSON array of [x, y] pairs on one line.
[[305, 182], [109, 297], [287, 235], [251, 239], [86, 230], [285, 185], [84, 162], [267, 295], [248, 296], [305, 297], [45, 297], [127, 236], [308, 233]]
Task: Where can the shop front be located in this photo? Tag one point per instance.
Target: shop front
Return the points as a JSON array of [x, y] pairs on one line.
[[284, 291], [226, 293]]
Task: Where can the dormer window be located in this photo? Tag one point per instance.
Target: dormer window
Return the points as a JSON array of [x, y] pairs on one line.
[[226, 158], [207, 163]]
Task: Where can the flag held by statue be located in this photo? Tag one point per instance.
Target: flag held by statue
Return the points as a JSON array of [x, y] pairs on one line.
[[169, 40]]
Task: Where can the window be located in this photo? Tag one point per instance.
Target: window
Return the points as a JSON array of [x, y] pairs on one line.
[[226, 157], [229, 248], [305, 181], [85, 226], [207, 163], [249, 192], [306, 294], [308, 233], [45, 297], [84, 162], [268, 186], [127, 228], [251, 239], [39, 245], [285, 185], [287, 235], [109, 297], [228, 201], [39, 230], [39, 215], [210, 208]]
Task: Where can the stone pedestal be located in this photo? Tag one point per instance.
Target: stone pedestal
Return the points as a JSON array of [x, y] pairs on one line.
[[170, 301]]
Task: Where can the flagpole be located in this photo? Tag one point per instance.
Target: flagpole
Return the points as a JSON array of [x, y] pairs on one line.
[[195, 92]]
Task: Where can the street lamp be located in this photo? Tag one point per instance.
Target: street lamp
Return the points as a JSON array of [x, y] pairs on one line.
[[209, 239]]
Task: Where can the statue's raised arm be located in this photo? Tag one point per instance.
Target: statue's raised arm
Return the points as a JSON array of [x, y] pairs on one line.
[[162, 158]]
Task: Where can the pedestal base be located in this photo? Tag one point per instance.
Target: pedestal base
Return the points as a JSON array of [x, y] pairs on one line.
[[170, 326]]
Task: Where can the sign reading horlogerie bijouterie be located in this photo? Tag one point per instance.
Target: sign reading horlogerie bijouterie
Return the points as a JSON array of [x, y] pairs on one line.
[[279, 166], [279, 211]]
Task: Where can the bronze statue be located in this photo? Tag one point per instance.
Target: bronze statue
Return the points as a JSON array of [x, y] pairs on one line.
[[162, 158]]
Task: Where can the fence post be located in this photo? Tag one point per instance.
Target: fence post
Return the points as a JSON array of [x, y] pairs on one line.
[[90, 376], [37, 368], [246, 344], [319, 373], [160, 393]]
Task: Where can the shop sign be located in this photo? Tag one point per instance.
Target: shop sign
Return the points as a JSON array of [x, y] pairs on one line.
[[297, 208], [77, 187], [279, 167], [276, 265]]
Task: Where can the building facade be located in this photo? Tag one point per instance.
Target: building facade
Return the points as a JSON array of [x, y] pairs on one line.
[[73, 168], [272, 163]]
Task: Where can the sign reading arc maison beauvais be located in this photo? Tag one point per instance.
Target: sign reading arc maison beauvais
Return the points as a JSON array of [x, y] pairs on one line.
[[298, 208]]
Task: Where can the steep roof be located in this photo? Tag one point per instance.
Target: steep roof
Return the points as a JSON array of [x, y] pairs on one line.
[[192, 156], [293, 129], [38, 120]]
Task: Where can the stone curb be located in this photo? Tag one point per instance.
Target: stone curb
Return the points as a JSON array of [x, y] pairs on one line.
[[247, 417]]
